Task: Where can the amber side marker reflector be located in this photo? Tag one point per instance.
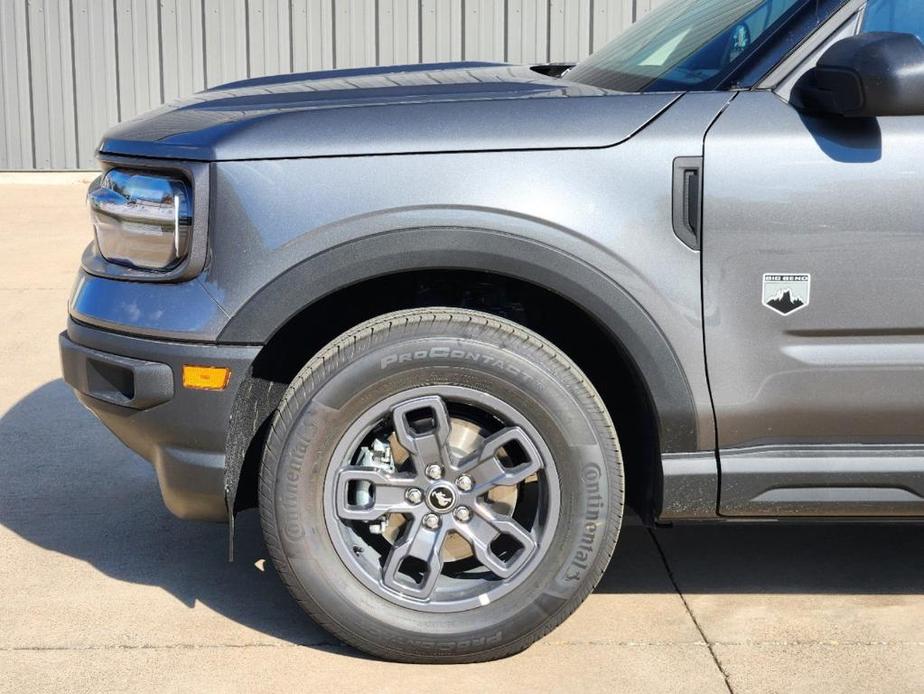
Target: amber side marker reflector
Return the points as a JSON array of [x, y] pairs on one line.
[[206, 377]]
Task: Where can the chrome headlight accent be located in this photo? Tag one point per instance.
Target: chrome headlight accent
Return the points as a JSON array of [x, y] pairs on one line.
[[141, 220]]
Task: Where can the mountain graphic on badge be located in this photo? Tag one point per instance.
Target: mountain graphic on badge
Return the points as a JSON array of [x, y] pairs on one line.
[[784, 293], [784, 303]]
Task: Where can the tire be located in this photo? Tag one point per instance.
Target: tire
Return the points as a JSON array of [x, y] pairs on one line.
[[545, 481]]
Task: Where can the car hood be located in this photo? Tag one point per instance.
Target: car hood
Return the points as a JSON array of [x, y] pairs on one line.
[[459, 107]]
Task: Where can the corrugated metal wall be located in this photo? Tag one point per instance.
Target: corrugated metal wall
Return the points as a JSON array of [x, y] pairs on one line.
[[71, 68]]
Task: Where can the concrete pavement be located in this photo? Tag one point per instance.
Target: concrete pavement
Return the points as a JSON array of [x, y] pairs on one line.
[[102, 590]]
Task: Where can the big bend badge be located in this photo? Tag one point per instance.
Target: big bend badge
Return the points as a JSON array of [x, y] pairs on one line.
[[786, 293]]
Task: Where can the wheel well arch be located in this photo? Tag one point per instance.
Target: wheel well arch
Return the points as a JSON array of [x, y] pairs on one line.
[[566, 300], [596, 351]]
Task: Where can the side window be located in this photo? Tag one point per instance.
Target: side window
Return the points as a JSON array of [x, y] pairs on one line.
[[904, 16]]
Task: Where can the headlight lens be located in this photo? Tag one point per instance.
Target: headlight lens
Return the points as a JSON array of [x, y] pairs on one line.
[[141, 220]]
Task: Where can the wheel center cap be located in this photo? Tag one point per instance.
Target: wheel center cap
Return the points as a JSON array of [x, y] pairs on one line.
[[441, 498]]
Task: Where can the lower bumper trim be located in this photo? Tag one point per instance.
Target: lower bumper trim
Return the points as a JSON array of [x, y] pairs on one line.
[[133, 386]]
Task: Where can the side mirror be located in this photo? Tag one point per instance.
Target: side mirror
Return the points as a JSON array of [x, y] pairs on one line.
[[865, 76]]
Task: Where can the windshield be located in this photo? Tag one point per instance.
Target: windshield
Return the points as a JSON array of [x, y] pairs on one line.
[[686, 44]]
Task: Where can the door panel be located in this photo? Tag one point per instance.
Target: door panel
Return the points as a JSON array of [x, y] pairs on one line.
[[843, 202]]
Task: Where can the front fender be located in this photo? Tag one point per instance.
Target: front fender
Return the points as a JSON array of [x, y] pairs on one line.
[[499, 251]]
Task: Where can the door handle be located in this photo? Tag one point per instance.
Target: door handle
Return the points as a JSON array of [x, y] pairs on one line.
[[687, 194]]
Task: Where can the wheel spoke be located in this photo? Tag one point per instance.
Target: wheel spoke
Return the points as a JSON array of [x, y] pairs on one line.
[[387, 493], [430, 445], [484, 528], [486, 469], [419, 543]]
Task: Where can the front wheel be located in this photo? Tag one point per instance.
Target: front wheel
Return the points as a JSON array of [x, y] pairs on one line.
[[441, 485]]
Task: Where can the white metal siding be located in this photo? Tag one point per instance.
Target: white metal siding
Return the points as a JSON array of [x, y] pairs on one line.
[[71, 68]]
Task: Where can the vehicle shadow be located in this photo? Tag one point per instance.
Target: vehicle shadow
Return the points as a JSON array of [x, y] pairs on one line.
[[820, 558], [68, 486]]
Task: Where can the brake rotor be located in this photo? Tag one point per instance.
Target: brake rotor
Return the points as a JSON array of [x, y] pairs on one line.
[[465, 437]]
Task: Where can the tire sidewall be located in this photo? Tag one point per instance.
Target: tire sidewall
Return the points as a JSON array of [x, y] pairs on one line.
[[557, 401]]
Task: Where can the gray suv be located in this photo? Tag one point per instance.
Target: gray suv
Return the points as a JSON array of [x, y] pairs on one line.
[[441, 322]]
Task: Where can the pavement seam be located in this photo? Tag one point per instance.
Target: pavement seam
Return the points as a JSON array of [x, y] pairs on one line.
[[746, 643], [334, 646], [822, 642], [686, 606]]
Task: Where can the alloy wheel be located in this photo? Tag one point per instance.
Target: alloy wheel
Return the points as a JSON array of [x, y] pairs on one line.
[[441, 498]]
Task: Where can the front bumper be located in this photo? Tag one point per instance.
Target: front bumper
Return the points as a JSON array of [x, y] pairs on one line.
[[134, 386]]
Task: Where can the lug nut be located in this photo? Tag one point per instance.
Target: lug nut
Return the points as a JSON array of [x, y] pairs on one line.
[[464, 483], [432, 521], [462, 514], [434, 472], [413, 495]]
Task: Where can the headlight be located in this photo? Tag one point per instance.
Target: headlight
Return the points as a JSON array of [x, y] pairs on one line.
[[141, 220]]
